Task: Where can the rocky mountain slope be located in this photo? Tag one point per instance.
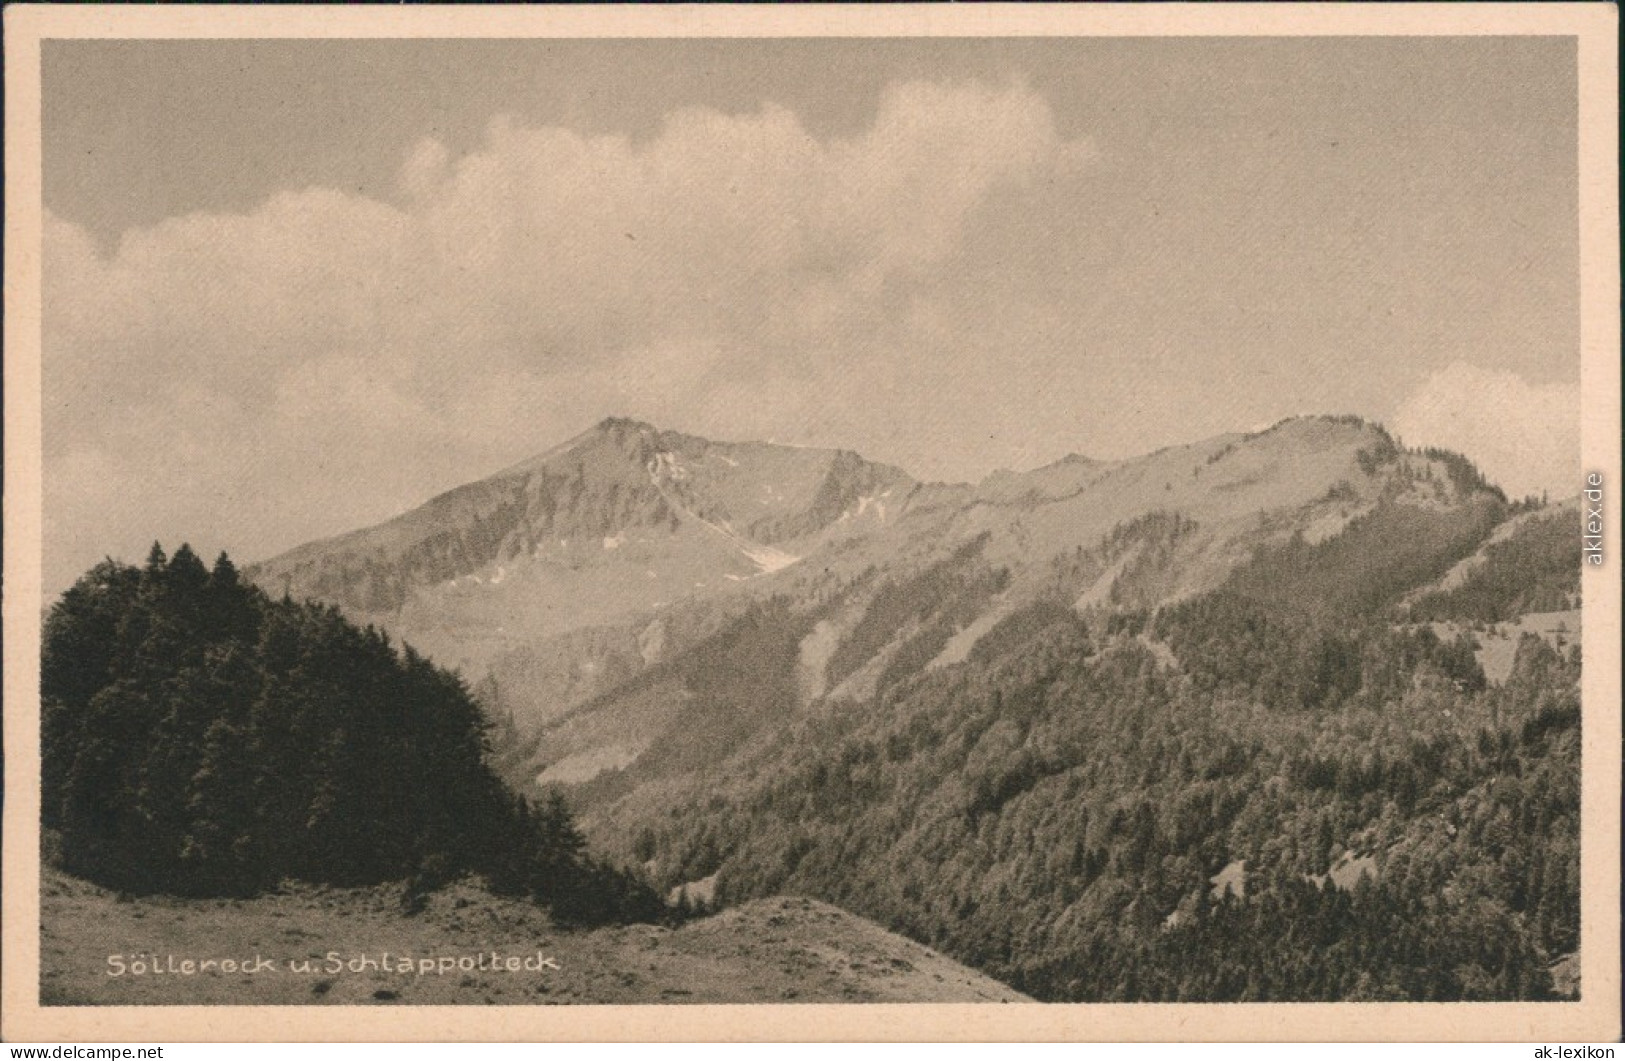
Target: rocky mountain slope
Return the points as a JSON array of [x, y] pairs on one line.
[[579, 590], [610, 527], [920, 591], [563, 576]]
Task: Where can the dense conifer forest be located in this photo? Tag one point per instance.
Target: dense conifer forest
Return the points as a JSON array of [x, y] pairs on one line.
[[199, 738], [1282, 789]]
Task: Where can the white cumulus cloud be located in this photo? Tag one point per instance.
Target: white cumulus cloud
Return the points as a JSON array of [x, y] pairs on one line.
[[1524, 436], [256, 379]]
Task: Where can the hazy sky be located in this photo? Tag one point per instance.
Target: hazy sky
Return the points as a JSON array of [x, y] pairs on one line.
[[293, 288]]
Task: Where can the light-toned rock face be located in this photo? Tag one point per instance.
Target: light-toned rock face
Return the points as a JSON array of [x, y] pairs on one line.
[[622, 521]]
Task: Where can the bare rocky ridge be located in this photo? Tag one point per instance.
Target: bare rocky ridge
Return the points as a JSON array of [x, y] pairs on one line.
[[620, 481], [623, 520]]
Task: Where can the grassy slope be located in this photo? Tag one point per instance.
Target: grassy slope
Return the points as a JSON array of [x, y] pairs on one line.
[[776, 950]]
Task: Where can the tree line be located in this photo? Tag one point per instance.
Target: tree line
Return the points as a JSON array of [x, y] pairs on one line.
[[201, 738]]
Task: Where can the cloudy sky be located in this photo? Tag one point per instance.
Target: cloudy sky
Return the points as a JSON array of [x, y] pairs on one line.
[[292, 288]]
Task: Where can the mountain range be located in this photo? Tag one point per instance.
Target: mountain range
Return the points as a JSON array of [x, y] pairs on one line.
[[759, 669], [575, 572]]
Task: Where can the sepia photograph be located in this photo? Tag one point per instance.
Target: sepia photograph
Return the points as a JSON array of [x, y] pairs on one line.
[[1044, 517]]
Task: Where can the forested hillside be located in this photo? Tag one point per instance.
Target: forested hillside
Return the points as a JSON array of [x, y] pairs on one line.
[[199, 738], [1530, 570], [1278, 789]]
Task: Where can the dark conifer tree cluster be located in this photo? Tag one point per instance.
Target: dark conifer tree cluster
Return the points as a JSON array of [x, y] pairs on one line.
[[199, 738]]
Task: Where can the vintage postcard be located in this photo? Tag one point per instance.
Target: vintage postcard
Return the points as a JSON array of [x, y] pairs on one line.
[[919, 522]]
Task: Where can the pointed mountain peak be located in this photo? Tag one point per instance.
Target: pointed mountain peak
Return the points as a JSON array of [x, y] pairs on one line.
[[620, 425], [615, 430], [612, 431]]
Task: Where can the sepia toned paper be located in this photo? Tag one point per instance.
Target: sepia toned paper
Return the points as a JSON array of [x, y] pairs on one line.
[[832, 228]]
